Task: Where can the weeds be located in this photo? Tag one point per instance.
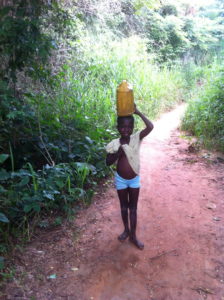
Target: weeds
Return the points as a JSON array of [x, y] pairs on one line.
[[56, 121], [56, 156], [204, 116]]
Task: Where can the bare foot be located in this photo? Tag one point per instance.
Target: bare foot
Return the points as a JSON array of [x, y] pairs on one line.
[[122, 237], [137, 243]]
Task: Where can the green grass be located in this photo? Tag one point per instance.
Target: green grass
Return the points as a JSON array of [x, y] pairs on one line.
[[91, 92], [66, 127], [204, 117]]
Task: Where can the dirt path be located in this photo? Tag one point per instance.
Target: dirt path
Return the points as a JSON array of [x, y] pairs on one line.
[[181, 221]]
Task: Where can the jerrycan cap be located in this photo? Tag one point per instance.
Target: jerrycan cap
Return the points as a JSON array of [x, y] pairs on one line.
[[124, 86]]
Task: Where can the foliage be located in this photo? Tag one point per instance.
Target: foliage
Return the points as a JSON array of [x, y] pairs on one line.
[[201, 42], [59, 73], [33, 183], [172, 30], [25, 49], [149, 4], [28, 195], [27, 192], [122, 17], [174, 33], [23, 42], [66, 162], [168, 9], [204, 116], [166, 34], [108, 64]]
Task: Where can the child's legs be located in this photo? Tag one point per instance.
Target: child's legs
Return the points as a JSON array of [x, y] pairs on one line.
[[133, 202], [123, 197]]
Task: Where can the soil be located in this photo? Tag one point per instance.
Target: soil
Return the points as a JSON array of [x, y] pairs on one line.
[[180, 221]]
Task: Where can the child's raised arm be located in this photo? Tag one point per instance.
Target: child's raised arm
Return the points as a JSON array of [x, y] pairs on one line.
[[148, 123]]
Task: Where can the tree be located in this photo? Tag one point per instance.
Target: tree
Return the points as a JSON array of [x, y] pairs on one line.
[[25, 44], [29, 30]]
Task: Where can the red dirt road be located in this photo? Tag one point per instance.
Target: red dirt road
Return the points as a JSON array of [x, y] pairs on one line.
[[180, 221]]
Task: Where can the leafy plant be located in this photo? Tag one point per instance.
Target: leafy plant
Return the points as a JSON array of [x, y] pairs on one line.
[[24, 45], [58, 92], [204, 116], [2, 264], [3, 218]]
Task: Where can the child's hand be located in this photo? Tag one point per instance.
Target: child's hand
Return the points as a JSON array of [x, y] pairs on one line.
[[120, 152]]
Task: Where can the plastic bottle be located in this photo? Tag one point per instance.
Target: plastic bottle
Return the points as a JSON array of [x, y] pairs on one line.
[[125, 99]]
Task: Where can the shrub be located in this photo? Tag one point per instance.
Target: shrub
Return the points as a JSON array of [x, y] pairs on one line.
[[205, 114]]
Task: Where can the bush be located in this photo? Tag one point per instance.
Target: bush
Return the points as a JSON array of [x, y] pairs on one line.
[[205, 114]]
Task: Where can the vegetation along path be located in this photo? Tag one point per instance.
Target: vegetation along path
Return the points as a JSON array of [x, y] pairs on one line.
[[181, 218]]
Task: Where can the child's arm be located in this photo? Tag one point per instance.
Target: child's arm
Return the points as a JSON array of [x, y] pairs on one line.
[[113, 157], [148, 123]]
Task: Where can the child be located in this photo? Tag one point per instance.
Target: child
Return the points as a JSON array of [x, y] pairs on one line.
[[124, 151]]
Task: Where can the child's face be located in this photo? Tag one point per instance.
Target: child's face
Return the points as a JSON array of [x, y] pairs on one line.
[[125, 128]]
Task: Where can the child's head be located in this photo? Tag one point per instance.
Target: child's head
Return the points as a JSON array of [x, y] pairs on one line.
[[125, 125]]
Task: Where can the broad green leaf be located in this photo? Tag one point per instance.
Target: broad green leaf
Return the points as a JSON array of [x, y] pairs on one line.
[[48, 195], [3, 157], [36, 207], [3, 218], [77, 192], [81, 166], [27, 208], [60, 183], [23, 182], [4, 175], [32, 206], [23, 172], [2, 264], [2, 190], [89, 139]]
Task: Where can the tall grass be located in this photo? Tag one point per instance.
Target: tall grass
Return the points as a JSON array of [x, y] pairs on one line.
[[204, 117], [88, 90], [68, 125]]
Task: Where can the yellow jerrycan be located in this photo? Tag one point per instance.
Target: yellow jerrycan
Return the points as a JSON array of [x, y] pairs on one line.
[[125, 99]]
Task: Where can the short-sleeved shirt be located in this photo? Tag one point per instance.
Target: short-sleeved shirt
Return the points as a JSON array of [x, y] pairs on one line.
[[131, 150]]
